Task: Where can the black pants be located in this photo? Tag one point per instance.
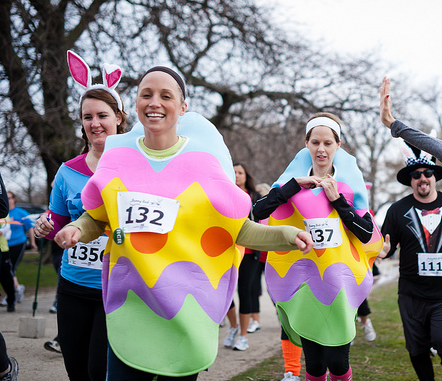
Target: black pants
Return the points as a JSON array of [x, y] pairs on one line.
[[82, 332], [246, 276], [319, 358], [7, 277], [4, 360], [16, 254]]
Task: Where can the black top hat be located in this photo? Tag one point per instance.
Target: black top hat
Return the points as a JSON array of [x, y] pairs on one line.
[[415, 158]]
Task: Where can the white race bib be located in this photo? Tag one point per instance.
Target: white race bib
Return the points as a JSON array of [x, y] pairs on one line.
[[89, 255], [430, 264], [140, 212], [325, 232]]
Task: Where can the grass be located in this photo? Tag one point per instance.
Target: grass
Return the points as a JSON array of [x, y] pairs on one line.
[[27, 272], [384, 359]]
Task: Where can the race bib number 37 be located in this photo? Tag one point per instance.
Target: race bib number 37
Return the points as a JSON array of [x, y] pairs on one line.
[[140, 212], [430, 264], [325, 232]]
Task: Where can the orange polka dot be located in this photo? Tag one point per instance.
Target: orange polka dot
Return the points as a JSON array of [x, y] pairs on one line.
[[355, 253], [282, 252], [216, 241], [148, 243], [371, 261]]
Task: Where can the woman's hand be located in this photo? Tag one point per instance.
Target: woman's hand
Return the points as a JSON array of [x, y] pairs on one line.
[[68, 237], [308, 182], [385, 105], [330, 187], [304, 242], [386, 248], [43, 226]]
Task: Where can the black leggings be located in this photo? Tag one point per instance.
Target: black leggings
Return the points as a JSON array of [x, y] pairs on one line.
[[16, 254], [319, 357], [82, 331], [7, 277], [246, 276], [4, 360]]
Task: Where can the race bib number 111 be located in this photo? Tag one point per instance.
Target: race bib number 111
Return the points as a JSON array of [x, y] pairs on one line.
[[140, 212], [430, 264]]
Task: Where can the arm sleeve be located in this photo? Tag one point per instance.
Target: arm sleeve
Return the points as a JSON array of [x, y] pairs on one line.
[[90, 229], [59, 222], [417, 138], [4, 203], [266, 205], [267, 238], [361, 227]]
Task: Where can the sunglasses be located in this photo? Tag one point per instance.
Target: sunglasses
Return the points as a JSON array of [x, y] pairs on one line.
[[417, 174]]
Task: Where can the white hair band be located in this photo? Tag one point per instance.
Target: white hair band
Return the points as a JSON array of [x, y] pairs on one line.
[[324, 121]]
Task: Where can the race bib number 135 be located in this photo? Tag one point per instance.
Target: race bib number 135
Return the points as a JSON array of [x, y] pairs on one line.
[[140, 212]]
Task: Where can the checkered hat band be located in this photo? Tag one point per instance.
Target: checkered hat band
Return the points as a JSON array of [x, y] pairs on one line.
[[421, 160]]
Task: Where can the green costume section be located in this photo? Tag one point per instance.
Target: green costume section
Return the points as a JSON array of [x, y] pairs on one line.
[[322, 324], [192, 345]]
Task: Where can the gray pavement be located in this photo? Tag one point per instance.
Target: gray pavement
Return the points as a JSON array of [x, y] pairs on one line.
[[38, 364]]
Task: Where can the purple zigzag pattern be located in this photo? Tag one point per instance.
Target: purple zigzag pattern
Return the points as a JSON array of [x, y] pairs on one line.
[[336, 277], [183, 170], [167, 296]]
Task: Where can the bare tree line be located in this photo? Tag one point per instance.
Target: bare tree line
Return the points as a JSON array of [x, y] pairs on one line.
[[256, 83]]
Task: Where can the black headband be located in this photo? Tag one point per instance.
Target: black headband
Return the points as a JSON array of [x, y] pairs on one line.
[[172, 73]]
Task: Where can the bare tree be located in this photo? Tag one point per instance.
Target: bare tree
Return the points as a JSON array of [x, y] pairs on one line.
[[257, 85]]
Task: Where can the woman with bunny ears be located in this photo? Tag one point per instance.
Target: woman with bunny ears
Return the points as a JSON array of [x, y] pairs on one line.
[[81, 319], [175, 216]]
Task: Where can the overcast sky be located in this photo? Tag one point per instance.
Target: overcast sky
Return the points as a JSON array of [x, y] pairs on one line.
[[407, 32]]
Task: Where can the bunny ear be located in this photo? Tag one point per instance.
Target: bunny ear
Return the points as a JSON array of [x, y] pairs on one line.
[[408, 151], [111, 75], [79, 69]]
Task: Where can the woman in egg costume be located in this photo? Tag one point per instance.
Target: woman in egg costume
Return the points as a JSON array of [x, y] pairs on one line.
[[166, 191], [318, 294]]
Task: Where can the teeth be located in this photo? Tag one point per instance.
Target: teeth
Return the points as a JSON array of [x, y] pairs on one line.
[[155, 115]]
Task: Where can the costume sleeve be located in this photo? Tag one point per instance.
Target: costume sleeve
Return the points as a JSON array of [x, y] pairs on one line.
[[4, 203], [417, 138], [361, 227], [59, 222], [90, 229], [267, 238], [266, 205], [389, 228]]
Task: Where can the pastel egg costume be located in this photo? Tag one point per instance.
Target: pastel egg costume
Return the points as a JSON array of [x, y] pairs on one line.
[[166, 294], [318, 294]]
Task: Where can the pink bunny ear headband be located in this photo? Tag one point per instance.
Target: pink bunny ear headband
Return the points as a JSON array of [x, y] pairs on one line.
[[81, 73]]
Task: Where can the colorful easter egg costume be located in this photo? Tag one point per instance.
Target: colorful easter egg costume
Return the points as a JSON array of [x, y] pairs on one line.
[[166, 293], [318, 294]]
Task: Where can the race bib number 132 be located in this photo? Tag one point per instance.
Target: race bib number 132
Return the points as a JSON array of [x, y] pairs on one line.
[[140, 212]]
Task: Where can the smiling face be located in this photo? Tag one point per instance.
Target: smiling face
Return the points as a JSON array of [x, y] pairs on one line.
[[322, 145], [159, 104], [99, 121], [424, 189]]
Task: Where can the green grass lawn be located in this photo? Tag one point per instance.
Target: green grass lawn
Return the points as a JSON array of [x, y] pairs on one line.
[[27, 272], [383, 359]]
